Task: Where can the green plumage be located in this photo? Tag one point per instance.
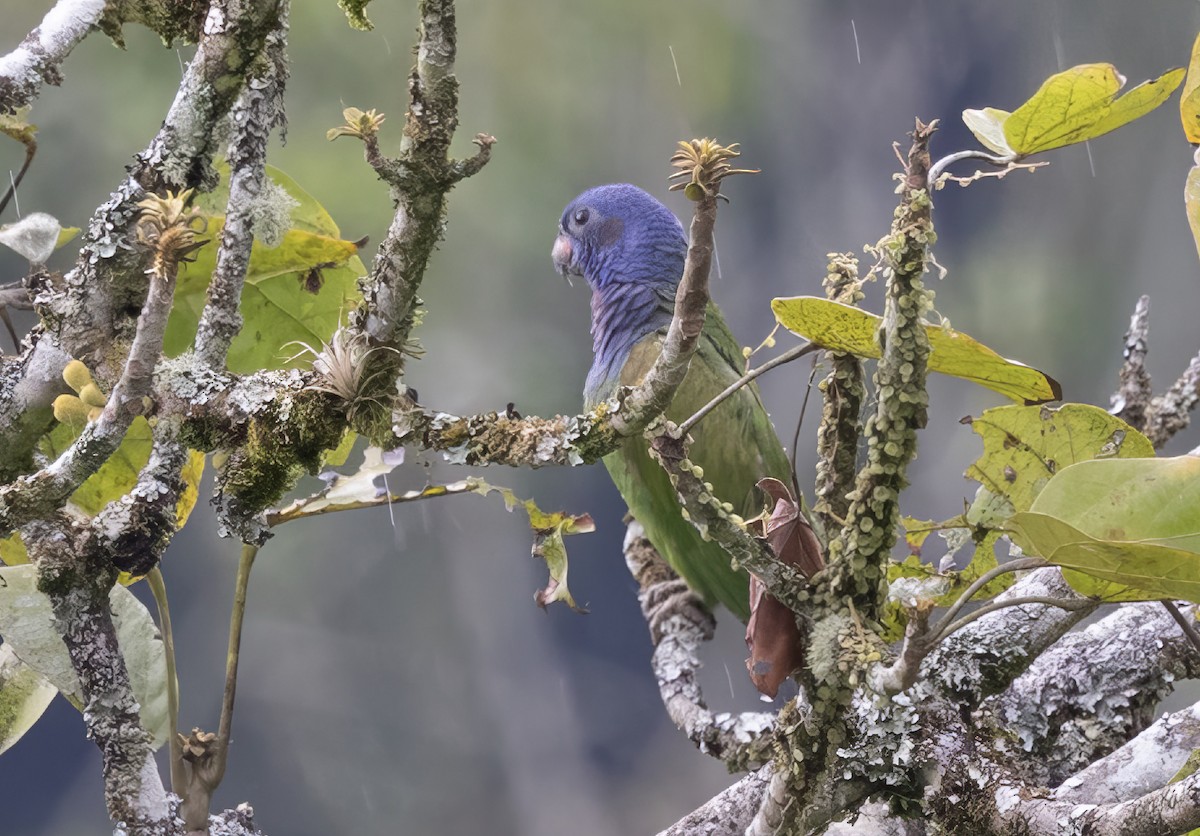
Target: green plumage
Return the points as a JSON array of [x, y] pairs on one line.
[[735, 445]]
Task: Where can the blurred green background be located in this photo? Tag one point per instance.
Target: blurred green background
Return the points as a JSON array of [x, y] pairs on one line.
[[396, 676]]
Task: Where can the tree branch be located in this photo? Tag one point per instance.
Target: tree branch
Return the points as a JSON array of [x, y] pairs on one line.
[[1132, 399], [1094, 689], [857, 555], [78, 588], [679, 624], [38, 58], [42, 493], [259, 107], [727, 814], [1147, 762]]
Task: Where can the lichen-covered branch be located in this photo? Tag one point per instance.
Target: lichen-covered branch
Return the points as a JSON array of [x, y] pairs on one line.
[[679, 624], [708, 514], [258, 109], [78, 584], [985, 657], [1132, 399], [728, 813], [419, 180], [41, 494], [1171, 809], [857, 556], [1170, 412], [1142, 765], [1093, 690], [232, 39], [36, 61], [134, 531]]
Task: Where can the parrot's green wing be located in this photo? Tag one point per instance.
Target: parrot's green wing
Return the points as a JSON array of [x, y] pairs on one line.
[[735, 445]]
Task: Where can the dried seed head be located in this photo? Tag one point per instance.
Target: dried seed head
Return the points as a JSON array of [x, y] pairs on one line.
[[169, 228], [705, 163]]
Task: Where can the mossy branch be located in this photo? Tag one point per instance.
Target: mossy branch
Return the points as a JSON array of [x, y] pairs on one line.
[[858, 555], [843, 394]]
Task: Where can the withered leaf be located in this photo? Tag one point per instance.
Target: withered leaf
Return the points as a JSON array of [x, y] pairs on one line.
[[774, 640]]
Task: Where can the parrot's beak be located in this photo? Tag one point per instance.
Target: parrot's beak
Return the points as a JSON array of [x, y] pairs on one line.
[[562, 256]]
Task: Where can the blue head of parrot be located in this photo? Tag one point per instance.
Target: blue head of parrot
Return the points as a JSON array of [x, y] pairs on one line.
[[631, 250]]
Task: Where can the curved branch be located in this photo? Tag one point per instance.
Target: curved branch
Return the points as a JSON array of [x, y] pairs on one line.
[[1094, 689], [38, 58], [679, 624], [42, 493]]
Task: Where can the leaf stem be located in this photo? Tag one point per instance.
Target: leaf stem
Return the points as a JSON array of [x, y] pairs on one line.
[[245, 564], [993, 606], [787, 357], [1188, 628], [935, 170], [983, 580], [158, 589]]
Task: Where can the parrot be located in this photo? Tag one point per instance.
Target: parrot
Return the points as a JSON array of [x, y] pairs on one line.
[[631, 249]]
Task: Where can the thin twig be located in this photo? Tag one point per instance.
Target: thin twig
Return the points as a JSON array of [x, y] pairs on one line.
[[787, 357], [1188, 628], [236, 619], [158, 589], [935, 170], [799, 424], [30, 153], [1018, 565], [993, 606]]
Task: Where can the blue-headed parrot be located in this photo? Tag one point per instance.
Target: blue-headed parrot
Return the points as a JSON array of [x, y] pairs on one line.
[[631, 250]]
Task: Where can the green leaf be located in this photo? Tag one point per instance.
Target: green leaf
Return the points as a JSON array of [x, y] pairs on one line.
[[549, 529], [988, 126], [14, 125], [1131, 522], [27, 624], [1143, 499], [1108, 570], [1080, 104], [1191, 201], [24, 695], [840, 327], [1189, 99], [297, 291], [1023, 446]]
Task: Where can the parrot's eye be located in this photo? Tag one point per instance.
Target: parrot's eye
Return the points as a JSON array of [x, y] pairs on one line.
[[581, 217]]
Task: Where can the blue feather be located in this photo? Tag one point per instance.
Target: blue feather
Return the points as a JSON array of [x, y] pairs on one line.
[[631, 250]]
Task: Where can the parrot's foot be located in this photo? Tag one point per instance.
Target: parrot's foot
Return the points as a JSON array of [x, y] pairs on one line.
[[664, 600]]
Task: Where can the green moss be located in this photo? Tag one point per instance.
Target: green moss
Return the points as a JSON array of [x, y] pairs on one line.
[[275, 453]]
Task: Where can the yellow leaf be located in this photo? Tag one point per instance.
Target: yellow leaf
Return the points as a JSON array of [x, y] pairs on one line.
[[549, 529], [12, 550], [1080, 104], [988, 126], [1189, 101], [1191, 201], [839, 327], [1023, 446]]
